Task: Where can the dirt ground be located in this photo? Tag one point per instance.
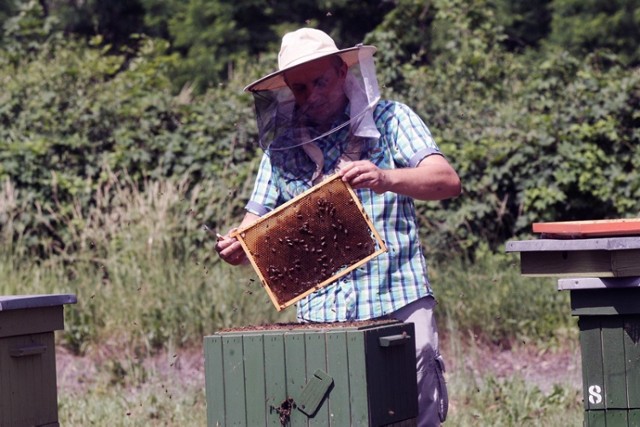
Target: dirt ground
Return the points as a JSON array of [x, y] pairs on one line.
[[535, 366], [186, 366]]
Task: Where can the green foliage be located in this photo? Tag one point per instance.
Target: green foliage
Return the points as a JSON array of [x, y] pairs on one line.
[[583, 27], [533, 140], [69, 112], [404, 37], [115, 21], [7, 9], [213, 36], [29, 30], [209, 35], [484, 300], [510, 402], [143, 268], [526, 23]]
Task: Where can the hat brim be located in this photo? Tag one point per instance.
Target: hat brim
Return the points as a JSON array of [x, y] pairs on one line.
[[275, 80]]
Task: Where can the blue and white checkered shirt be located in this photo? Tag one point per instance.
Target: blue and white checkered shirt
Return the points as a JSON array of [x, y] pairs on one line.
[[393, 279]]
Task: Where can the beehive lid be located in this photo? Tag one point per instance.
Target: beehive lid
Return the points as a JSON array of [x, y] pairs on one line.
[[595, 228], [18, 302], [310, 241]]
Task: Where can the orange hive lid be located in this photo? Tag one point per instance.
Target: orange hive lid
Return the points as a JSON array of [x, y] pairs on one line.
[[596, 228]]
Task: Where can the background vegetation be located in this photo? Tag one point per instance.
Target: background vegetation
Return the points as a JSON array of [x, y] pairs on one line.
[[124, 130]]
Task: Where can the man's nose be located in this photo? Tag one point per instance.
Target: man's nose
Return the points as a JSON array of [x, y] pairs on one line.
[[314, 96]]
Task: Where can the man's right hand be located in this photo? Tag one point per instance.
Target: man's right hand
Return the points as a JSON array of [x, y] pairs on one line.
[[230, 250]]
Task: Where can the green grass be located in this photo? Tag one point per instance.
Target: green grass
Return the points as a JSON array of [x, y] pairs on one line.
[[148, 405], [483, 402], [144, 270], [513, 402], [489, 300], [148, 283], [481, 397]]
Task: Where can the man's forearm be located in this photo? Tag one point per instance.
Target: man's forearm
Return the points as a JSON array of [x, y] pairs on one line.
[[432, 179]]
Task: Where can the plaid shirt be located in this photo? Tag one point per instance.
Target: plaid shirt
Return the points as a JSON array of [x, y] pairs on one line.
[[393, 279]]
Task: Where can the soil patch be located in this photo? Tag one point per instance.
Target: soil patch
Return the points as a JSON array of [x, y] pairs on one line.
[[185, 367], [292, 326], [540, 367]]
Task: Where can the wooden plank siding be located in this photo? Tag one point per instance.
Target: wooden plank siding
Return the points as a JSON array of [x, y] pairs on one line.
[[28, 383], [250, 375], [599, 263], [596, 263], [28, 394], [275, 376], [214, 381]]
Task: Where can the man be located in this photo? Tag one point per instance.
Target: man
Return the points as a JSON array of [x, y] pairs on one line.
[[321, 113]]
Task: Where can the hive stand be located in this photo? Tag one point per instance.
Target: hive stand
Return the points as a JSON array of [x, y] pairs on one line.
[[598, 262]]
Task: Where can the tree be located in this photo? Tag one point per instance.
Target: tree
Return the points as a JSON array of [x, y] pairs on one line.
[[213, 35], [526, 23], [403, 37], [114, 20], [584, 26], [7, 9]]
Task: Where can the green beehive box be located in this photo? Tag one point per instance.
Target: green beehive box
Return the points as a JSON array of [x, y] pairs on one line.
[[28, 390], [608, 313], [340, 374], [602, 274]]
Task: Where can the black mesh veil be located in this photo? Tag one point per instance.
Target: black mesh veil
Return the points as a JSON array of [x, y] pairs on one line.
[[282, 124]]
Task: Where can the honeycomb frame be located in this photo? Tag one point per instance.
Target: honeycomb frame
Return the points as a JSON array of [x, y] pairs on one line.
[[312, 240]]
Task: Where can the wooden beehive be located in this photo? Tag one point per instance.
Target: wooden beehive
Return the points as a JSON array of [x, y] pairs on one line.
[[28, 386], [310, 241], [301, 375]]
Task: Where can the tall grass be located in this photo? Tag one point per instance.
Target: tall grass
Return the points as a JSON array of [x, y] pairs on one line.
[[147, 277], [148, 282], [143, 268], [512, 402], [489, 300]]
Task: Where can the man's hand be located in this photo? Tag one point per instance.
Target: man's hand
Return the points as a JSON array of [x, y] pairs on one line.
[[364, 174], [432, 179], [230, 250]]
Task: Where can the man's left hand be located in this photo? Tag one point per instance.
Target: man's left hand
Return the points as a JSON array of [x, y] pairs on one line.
[[364, 174]]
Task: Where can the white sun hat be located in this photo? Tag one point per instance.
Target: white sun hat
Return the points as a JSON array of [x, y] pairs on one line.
[[283, 124], [305, 45]]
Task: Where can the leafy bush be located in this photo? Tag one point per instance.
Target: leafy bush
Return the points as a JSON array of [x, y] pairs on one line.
[[533, 140], [143, 269], [72, 112]]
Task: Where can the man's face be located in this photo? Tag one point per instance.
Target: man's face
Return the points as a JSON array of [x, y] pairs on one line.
[[318, 88]]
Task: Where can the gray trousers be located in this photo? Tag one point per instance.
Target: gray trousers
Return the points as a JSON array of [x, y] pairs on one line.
[[433, 401]]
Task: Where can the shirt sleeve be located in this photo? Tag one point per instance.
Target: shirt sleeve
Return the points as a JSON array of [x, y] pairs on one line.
[[265, 192], [409, 136]]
